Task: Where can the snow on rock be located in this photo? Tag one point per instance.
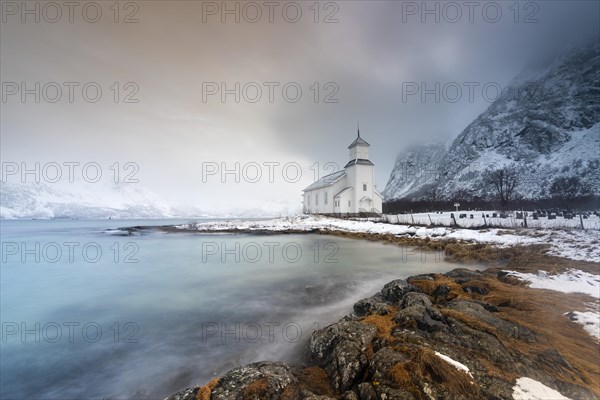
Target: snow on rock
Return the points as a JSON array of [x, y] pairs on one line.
[[572, 281], [455, 364], [529, 389]]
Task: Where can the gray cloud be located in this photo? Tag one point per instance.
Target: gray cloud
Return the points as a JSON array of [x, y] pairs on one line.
[[369, 55]]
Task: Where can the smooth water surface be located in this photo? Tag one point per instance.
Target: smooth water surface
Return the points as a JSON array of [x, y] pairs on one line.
[[87, 314]]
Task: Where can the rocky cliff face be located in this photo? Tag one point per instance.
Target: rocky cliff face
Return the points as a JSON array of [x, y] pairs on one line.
[[415, 171], [428, 337], [545, 123]]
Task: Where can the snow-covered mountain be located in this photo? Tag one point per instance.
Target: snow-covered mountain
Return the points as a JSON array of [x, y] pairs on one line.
[[416, 171], [98, 200], [546, 123]]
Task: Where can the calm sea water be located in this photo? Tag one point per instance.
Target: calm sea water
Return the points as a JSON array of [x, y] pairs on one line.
[[87, 314]]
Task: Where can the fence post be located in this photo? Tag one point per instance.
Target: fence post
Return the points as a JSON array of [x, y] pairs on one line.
[[453, 219], [484, 220], [430, 221], [581, 220], [412, 219]]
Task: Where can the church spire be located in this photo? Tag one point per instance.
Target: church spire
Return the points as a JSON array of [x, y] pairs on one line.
[[358, 141]]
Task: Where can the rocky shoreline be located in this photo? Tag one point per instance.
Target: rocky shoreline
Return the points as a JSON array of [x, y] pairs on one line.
[[460, 335]]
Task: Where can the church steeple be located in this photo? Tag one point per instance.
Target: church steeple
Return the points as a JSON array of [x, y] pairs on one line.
[[358, 141], [359, 149]]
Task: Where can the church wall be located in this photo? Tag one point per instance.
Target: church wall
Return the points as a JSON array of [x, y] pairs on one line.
[[359, 175], [321, 208]]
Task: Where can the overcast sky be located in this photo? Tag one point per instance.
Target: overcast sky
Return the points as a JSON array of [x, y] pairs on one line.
[[367, 58]]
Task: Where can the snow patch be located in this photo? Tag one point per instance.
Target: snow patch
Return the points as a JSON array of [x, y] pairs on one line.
[[529, 389], [455, 364], [572, 281], [590, 319]]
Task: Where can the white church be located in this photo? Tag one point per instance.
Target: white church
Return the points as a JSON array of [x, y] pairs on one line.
[[349, 192]]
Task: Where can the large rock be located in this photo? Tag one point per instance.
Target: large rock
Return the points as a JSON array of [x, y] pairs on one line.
[[187, 394], [264, 380], [372, 305], [478, 311], [340, 349], [383, 360], [394, 291], [421, 317], [414, 298]]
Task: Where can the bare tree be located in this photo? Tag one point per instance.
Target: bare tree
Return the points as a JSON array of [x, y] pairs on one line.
[[504, 181]]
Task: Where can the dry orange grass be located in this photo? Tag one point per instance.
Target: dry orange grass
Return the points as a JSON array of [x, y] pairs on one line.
[[452, 379], [542, 312], [383, 323], [425, 366], [257, 390], [316, 380], [204, 392], [399, 375], [428, 287]]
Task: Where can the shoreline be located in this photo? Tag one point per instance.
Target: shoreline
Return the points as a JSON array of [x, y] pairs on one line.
[[491, 246], [575, 244], [515, 305]]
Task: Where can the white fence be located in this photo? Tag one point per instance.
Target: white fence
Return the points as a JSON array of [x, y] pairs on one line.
[[485, 218]]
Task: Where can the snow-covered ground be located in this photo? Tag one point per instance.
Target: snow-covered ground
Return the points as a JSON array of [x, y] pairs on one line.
[[589, 319], [572, 281], [575, 244]]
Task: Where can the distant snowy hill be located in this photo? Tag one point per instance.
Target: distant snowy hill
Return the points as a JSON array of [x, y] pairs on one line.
[[546, 123], [99, 200], [111, 200]]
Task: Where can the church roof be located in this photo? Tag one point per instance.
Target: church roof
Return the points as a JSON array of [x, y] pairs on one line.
[[359, 142], [341, 192], [360, 161], [327, 180]]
